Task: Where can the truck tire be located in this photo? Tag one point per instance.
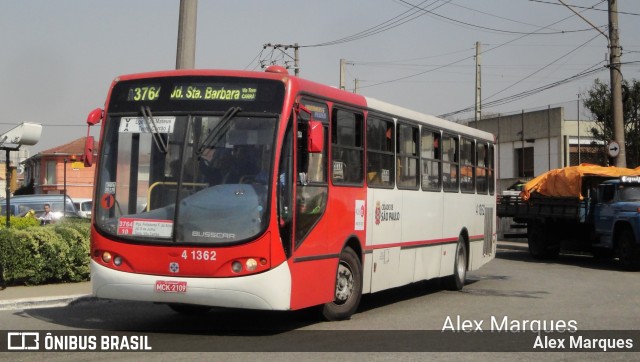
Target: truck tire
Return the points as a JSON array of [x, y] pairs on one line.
[[542, 244], [628, 250]]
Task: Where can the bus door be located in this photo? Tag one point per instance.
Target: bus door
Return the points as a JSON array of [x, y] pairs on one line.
[[313, 270]]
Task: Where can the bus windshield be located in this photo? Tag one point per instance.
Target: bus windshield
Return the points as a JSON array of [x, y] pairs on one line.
[[192, 178]]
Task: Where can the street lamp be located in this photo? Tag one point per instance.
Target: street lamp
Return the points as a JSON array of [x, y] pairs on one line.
[[26, 134], [64, 190]]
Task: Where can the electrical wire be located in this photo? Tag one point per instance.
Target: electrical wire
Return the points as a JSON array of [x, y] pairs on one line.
[[584, 7], [394, 22], [588, 72], [493, 29], [544, 67]]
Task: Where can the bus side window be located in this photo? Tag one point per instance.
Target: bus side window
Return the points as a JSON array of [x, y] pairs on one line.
[[380, 152], [431, 160], [347, 150]]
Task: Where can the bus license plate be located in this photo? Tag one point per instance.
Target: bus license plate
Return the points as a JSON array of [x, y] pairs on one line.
[[164, 286]]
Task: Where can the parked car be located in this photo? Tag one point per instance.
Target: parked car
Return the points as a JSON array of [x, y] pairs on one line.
[[83, 206], [21, 204]]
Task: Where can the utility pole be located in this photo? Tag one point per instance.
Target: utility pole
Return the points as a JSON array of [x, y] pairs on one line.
[[579, 161], [615, 74], [343, 62], [186, 53], [478, 85], [355, 85], [616, 83]]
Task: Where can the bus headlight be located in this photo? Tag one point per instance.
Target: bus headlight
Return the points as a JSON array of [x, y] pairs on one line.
[[117, 261], [251, 264]]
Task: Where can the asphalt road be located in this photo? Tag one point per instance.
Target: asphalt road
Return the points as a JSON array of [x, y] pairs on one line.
[[513, 292]]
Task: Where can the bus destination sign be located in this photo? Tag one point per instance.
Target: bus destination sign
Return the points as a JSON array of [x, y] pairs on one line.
[[213, 92]]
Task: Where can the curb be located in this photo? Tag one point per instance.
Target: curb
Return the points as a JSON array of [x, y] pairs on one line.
[[42, 302]]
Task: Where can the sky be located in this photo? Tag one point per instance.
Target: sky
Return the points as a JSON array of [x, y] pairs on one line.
[[58, 58]]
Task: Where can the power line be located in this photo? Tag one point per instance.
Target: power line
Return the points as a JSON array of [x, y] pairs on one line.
[[492, 29], [589, 71], [543, 68], [472, 56], [584, 7], [394, 22]]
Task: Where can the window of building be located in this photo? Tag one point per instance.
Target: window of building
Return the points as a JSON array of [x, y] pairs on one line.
[[51, 172], [524, 162]]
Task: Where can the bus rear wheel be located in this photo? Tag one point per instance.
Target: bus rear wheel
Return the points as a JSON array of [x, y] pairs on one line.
[[456, 281], [348, 290]]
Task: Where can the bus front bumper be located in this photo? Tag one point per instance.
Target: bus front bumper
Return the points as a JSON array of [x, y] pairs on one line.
[[270, 290]]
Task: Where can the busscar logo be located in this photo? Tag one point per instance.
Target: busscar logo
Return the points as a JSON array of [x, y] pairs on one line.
[[23, 341]]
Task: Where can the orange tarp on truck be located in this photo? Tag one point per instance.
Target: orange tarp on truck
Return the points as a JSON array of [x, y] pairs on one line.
[[567, 182]]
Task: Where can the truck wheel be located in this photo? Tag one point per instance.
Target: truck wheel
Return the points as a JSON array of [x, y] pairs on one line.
[[628, 250], [348, 287], [456, 281], [540, 245]]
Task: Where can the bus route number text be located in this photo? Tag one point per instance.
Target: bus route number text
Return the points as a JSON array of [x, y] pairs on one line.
[[145, 93], [206, 255]]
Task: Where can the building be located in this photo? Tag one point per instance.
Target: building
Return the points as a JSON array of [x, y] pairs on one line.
[[51, 169], [531, 143]]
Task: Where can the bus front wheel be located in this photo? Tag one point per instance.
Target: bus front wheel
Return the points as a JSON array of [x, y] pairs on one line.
[[348, 289]]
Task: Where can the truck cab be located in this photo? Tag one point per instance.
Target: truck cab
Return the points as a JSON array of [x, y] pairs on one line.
[[616, 215]]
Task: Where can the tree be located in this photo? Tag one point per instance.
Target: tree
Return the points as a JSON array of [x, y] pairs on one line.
[[597, 101]]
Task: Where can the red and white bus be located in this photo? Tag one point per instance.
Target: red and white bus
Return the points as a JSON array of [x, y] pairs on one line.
[[262, 190]]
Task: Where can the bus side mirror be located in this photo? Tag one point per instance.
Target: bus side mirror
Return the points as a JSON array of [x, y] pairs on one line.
[[88, 151], [315, 134], [94, 117]]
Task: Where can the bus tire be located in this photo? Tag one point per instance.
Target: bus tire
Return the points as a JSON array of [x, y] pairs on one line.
[[628, 250], [348, 290], [455, 281], [189, 309]]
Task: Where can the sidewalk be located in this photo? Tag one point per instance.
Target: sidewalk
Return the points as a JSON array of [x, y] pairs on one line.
[[43, 296]]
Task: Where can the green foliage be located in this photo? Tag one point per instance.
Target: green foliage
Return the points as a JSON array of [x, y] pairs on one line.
[[598, 101], [53, 253], [19, 223]]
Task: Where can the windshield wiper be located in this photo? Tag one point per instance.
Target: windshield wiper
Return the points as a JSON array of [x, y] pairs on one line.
[[153, 127], [216, 133]]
